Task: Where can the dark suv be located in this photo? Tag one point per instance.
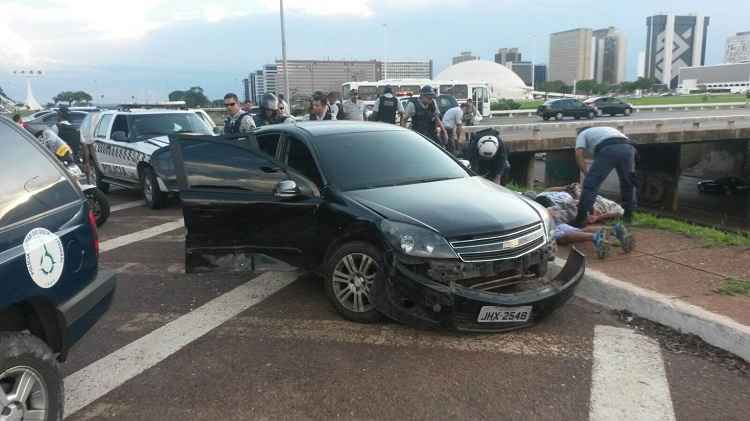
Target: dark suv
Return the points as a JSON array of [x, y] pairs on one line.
[[561, 108], [394, 224], [51, 291], [607, 105]]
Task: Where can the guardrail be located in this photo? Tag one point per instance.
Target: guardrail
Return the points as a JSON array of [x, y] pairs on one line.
[[641, 108], [625, 125]]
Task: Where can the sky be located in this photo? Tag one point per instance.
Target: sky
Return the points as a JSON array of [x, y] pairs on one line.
[[116, 49]]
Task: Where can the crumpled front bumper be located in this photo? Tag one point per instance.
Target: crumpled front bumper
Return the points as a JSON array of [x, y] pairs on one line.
[[417, 300]]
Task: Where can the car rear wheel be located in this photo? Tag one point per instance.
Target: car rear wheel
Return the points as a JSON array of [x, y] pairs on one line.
[[559, 116], [31, 385], [155, 198], [590, 115], [353, 273]]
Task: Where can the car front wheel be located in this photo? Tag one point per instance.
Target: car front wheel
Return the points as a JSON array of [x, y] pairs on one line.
[[628, 111], [155, 198], [559, 116], [31, 384], [353, 273], [590, 115]]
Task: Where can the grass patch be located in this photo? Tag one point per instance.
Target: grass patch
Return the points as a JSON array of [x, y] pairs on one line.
[[711, 237], [687, 99], [734, 287]]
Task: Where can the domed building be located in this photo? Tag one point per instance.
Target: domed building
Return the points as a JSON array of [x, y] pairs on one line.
[[503, 82]]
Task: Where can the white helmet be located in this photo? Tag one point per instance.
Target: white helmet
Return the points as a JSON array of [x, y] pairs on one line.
[[487, 146]]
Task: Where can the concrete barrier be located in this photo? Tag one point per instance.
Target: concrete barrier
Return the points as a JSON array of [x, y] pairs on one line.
[[641, 108]]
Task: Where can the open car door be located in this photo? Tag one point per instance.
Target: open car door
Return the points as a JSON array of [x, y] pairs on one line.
[[242, 209]]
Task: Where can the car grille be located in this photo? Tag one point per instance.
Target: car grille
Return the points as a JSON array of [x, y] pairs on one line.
[[509, 245]]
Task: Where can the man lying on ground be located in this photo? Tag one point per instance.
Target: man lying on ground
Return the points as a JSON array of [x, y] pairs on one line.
[[603, 210]]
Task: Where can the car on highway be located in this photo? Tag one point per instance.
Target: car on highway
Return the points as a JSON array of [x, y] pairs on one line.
[[50, 119], [565, 107], [607, 105], [125, 140], [394, 224], [52, 290], [723, 185]]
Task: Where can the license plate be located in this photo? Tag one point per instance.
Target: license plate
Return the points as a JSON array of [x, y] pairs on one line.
[[492, 314]]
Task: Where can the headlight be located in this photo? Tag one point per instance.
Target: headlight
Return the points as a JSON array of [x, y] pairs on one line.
[[416, 241], [549, 223]]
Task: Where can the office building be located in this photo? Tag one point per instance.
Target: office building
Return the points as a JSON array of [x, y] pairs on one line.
[[505, 55], [464, 56], [263, 81], [738, 48], [253, 86], [609, 55], [570, 56], [259, 86], [308, 76], [406, 69], [540, 74], [674, 42], [721, 78], [641, 64], [246, 90], [524, 70]]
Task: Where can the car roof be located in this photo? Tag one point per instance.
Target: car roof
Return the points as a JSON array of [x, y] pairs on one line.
[[314, 129], [147, 112]]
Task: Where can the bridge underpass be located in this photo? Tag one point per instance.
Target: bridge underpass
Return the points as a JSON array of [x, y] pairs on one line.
[[674, 153]]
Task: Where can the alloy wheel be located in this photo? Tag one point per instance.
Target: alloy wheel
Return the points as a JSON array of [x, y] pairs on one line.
[[23, 395], [353, 280]]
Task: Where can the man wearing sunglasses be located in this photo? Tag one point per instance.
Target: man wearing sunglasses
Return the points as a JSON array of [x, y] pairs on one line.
[[239, 121]]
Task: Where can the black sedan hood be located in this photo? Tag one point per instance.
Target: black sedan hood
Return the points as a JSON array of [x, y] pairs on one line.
[[455, 208]]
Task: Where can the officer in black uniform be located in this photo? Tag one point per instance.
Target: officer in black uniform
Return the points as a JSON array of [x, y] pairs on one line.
[[387, 106], [239, 121], [67, 132], [269, 112], [425, 116]]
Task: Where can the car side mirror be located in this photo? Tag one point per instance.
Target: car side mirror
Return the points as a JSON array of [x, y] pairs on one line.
[[119, 136], [217, 130], [465, 163], [287, 189]]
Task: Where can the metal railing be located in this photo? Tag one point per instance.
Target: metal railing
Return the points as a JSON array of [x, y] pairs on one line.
[[641, 108]]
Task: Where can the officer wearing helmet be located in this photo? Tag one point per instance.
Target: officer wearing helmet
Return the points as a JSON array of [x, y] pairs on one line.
[[387, 106], [488, 155], [269, 112], [425, 115]]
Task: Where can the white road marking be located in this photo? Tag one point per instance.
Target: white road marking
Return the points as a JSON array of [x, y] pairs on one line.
[[99, 378], [124, 240], [127, 205], [628, 378]]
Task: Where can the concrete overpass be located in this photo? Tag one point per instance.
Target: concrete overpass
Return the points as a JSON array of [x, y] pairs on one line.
[[706, 147]]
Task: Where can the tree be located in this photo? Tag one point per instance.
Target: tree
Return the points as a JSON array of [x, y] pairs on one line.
[[71, 97], [217, 103], [556, 86], [193, 97]]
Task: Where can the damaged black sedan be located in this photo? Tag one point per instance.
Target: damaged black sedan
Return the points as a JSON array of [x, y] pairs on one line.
[[395, 225]]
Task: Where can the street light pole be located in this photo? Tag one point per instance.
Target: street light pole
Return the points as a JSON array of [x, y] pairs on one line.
[[283, 52]]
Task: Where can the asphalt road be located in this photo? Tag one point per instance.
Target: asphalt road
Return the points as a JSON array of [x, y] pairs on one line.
[[269, 346]]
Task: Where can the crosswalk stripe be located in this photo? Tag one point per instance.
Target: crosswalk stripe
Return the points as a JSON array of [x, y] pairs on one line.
[[127, 205], [124, 240], [629, 381], [99, 378]]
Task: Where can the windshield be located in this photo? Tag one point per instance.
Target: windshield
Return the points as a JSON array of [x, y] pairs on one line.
[[368, 160], [460, 92], [166, 124], [368, 93]]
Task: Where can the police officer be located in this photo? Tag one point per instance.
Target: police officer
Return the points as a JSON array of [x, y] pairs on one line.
[[238, 122], [488, 156], [269, 112], [353, 108], [424, 114], [67, 132], [611, 150], [387, 106]]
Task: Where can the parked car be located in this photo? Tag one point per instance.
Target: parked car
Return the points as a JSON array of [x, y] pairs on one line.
[[723, 185], [52, 290], [205, 117], [566, 107], [608, 105], [394, 224], [50, 119], [125, 141]]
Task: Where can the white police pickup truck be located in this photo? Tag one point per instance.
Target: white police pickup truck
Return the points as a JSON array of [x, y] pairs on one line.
[[125, 141]]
